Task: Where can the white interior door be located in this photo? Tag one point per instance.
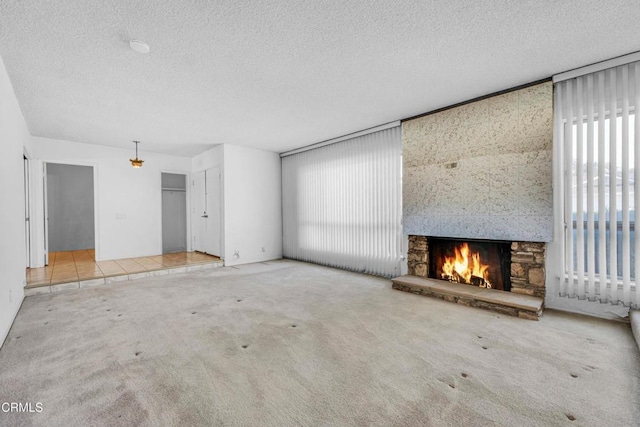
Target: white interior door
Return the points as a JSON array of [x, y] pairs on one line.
[[207, 209], [200, 212], [214, 209]]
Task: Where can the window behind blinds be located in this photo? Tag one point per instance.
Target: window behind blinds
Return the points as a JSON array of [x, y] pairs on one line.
[[342, 204], [596, 122]]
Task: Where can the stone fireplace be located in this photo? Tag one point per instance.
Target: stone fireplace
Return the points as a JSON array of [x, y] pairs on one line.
[[526, 265], [481, 172], [516, 286]]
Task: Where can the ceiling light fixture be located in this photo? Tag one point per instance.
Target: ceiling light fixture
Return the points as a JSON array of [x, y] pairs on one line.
[[139, 46], [136, 163]]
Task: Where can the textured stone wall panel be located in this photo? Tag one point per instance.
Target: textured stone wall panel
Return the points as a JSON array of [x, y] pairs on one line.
[[482, 170]]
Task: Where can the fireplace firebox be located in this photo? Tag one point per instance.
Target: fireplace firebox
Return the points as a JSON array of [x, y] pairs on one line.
[[483, 263]]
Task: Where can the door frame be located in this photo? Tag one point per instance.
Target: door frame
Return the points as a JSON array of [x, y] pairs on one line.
[[194, 215], [96, 212], [217, 168], [28, 204], [187, 207]]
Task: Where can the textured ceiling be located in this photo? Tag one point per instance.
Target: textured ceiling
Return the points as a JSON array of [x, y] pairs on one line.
[[280, 74]]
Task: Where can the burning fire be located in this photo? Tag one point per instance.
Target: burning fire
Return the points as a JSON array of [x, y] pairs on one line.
[[463, 268]]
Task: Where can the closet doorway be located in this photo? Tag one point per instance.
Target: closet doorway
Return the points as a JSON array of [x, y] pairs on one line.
[[174, 213]]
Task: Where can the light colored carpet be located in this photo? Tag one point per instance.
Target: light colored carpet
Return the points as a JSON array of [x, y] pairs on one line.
[[323, 347]]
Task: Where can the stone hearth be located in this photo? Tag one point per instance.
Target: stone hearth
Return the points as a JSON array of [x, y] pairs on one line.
[[527, 272], [524, 306]]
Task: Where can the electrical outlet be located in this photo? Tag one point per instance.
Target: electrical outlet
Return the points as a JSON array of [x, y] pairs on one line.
[[236, 253], [263, 249]]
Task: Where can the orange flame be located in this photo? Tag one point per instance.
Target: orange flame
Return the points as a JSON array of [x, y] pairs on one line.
[[465, 266]]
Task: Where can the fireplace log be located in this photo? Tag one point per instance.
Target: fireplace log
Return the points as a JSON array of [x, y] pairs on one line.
[[478, 281], [457, 277]]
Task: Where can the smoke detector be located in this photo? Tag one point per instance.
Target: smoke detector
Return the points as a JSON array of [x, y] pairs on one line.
[[139, 46]]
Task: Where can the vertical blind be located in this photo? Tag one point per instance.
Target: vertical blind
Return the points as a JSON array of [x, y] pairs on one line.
[[596, 122], [342, 204]]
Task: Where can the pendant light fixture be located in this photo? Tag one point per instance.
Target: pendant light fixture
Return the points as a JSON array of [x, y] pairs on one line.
[[136, 163]]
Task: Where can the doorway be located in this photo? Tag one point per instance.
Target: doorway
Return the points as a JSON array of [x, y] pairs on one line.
[[27, 215], [69, 208], [174, 213], [208, 210]]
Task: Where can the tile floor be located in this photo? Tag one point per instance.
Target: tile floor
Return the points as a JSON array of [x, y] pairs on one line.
[[74, 266]]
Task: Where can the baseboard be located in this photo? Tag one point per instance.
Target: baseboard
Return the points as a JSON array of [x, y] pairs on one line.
[[5, 334], [233, 262]]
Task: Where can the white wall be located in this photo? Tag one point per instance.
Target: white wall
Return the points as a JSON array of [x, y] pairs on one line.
[[252, 205], [128, 201], [14, 135], [251, 202], [209, 159]]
